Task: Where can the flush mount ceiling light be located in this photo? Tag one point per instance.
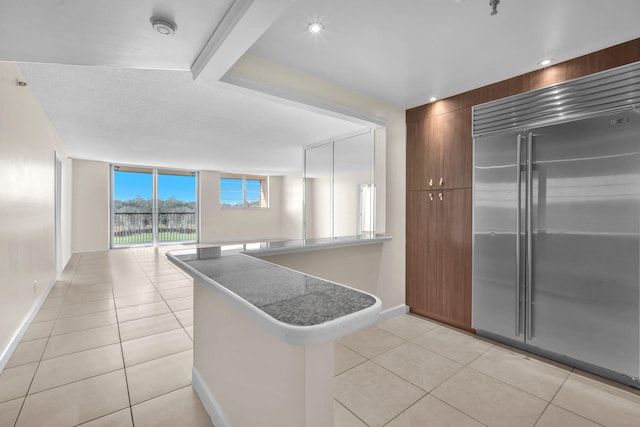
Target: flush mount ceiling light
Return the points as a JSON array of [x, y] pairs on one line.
[[546, 61], [163, 26], [433, 99], [315, 27], [494, 6]]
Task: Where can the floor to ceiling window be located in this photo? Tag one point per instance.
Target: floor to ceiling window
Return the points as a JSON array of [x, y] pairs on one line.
[[153, 206]]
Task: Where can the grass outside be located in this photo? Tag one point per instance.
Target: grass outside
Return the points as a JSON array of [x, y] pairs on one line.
[[148, 238]]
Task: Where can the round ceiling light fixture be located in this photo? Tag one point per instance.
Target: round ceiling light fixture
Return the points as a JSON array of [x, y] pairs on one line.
[[433, 99], [315, 27], [546, 61], [163, 26]]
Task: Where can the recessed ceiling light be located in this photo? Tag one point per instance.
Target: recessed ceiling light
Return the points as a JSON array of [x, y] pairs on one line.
[[163, 26], [546, 61], [433, 99], [315, 27]]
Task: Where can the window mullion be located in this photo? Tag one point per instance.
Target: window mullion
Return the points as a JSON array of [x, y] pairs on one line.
[[244, 191]]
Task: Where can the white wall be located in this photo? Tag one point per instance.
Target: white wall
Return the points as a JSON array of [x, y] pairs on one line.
[[91, 182], [390, 273], [318, 206], [357, 266], [218, 224], [346, 201], [291, 214], [28, 142], [381, 179]]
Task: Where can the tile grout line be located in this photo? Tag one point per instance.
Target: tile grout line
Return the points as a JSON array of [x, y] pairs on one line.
[[107, 271], [73, 382], [463, 366], [457, 409], [513, 386], [416, 385], [85, 329], [350, 411], [163, 298], [403, 379], [43, 350], [427, 393], [101, 416], [124, 367], [31, 382], [367, 359], [550, 400], [568, 410]]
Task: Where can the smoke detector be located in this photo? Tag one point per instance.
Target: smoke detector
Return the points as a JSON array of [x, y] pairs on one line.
[[163, 26]]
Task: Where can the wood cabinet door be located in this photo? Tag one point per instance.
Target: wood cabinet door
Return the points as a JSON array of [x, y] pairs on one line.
[[421, 250], [417, 154], [439, 151], [424, 160], [451, 133], [454, 255]]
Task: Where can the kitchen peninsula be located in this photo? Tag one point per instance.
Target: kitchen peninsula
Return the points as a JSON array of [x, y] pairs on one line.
[[263, 333]]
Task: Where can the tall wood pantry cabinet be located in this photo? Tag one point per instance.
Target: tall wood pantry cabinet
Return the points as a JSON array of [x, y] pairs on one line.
[[439, 171]]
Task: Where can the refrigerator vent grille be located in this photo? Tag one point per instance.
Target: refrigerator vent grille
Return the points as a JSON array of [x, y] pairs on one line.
[[609, 90]]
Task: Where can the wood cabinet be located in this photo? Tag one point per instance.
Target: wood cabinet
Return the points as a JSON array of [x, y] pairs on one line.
[[439, 152], [439, 174], [439, 255], [421, 251]]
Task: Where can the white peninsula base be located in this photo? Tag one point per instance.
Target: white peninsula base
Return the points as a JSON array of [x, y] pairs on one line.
[[247, 377]]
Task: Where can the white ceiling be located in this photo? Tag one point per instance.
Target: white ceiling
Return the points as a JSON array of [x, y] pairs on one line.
[[405, 51], [116, 91], [163, 118], [115, 33]]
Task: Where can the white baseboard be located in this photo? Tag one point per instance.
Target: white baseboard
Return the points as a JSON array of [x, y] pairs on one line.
[[7, 352], [392, 312], [89, 251], [208, 400]]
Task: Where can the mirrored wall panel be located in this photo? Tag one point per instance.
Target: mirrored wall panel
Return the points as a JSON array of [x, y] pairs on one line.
[[317, 190], [340, 192]]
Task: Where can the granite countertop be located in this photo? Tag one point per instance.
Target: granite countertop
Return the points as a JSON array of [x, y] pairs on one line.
[[299, 308]]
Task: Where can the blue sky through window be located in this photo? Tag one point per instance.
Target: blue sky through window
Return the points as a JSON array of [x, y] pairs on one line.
[[231, 192], [129, 185], [180, 186]]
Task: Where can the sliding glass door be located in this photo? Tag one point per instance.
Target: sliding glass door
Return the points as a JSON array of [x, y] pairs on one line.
[[176, 204], [152, 206], [132, 210]]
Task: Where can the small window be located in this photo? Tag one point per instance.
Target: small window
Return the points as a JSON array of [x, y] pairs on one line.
[[244, 191]]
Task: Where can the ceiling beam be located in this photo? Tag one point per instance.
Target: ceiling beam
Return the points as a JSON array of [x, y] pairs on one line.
[[276, 82], [243, 24]]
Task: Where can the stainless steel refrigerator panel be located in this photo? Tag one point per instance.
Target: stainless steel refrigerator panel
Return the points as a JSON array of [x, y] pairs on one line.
[[497, 304], [586, 240]]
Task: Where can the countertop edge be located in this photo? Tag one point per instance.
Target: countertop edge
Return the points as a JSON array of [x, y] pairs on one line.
[[292, 334], [337, 243]]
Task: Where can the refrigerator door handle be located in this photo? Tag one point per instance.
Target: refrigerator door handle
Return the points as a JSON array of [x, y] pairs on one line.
[[518, 230], [529, 265]]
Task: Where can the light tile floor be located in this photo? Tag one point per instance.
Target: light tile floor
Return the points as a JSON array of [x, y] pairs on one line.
[[112, 346]]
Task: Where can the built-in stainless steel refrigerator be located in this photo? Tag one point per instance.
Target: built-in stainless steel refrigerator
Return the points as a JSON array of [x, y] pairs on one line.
[[556, 249]]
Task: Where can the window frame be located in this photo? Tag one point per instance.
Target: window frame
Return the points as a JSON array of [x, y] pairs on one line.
[[245, 204], [154, 172]]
